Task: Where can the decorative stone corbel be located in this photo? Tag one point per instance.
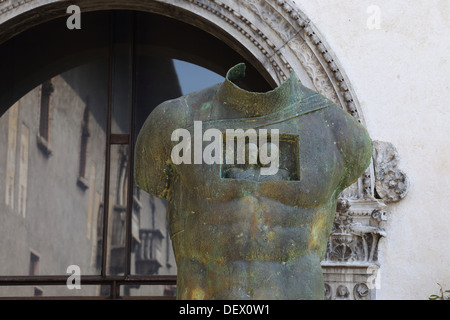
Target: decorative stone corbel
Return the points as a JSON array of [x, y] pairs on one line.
[[391, 183]]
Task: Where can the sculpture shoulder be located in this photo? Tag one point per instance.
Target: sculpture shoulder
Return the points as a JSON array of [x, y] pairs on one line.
[[182, 111], [352, 140], [151, 169], [152, 161], [165, 117]]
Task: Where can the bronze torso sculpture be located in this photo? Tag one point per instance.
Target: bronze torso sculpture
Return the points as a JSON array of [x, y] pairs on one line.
[[236, 236]]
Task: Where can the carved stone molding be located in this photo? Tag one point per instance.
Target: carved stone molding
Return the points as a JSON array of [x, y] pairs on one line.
[[350, 265], [275, 32], [356, 232], [355, 283]]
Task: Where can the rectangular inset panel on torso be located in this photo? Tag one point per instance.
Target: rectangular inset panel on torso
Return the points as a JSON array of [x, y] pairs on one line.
[[244, 160]]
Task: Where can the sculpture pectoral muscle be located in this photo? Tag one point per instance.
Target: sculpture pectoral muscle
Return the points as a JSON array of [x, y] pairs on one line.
[[235, 234]]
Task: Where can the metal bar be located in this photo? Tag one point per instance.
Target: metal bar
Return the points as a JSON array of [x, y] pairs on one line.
[[89, 298], [129, 212], [58, 298], [113, 281], [114, 292], [148, 298], [108, 150], [89, 280], [120, 138], [149, 280]]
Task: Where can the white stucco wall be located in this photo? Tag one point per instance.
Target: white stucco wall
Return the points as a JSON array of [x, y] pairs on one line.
[[401, 76]]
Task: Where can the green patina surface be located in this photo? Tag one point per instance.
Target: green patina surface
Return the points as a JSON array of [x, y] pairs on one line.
[[239, 236]]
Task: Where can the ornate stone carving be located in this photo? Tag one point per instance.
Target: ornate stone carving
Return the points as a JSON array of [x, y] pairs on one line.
[[361, 291], [352, 251], [358, 228], [355, 235], [342, 293], [391, 183], [318, 76], [355, 283]]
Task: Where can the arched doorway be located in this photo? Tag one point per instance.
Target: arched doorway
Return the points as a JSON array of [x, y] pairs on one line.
[[272, 37]]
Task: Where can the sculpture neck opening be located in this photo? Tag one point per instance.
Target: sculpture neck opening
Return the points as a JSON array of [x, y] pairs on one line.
[[253, 104]]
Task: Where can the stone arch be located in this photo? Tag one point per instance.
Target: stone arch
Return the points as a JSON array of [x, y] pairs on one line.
[[272, 34]]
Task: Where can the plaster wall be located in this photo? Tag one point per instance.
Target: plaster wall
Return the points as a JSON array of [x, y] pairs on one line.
[[400, 71]]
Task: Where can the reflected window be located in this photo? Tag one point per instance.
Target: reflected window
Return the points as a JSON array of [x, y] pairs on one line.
[[13, 118], [45, 106], [59, 220], [82, 178], [23, 168]]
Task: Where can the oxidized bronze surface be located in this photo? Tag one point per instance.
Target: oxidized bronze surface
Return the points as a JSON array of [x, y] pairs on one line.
[[237, 234]]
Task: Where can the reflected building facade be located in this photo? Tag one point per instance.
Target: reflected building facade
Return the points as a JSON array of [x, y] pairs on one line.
[[52, 200]]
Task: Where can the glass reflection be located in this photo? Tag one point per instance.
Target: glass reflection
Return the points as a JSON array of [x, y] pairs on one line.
[[118, 195], [53, 164], [53, 167], [52, 203]]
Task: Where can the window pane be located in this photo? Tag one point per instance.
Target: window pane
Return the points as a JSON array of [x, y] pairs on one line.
[[158, 79], [52, 174], [152, 246], [118, 199], [122, 72]]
